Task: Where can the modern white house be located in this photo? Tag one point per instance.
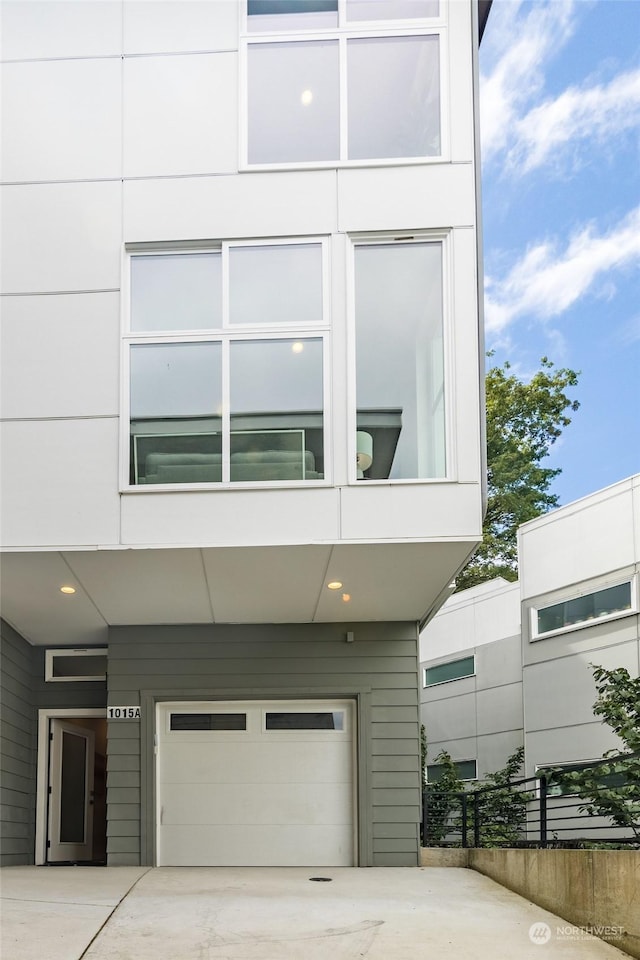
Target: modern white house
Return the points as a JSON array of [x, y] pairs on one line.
[[506, 665], [242, 449]]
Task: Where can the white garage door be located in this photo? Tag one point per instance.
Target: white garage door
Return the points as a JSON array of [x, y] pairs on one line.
[[255, 784]]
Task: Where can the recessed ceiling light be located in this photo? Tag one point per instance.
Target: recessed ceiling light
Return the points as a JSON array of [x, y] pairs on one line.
[[297, 347], [306, 98], [67, 589], [334, 584], [346, 597]]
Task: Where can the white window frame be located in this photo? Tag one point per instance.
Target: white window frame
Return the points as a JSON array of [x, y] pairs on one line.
[[345, 31], [445, 663], [226, 334], [438, 21], [443, 237], [52, 654], [473, 760], [535, 635]]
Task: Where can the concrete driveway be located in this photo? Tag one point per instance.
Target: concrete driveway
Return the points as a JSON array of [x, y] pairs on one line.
[[212, 913]]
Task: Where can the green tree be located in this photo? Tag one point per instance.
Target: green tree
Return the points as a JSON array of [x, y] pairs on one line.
[[502, 812], [442, 801], [524, 419], [611, 788]]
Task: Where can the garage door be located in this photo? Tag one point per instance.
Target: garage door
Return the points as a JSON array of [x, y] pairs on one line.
[[255, 784]]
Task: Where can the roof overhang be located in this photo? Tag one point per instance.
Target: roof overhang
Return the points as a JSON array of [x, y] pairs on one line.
[[395, 581]]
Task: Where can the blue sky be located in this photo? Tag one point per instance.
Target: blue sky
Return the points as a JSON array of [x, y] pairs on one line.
[[560, 111]]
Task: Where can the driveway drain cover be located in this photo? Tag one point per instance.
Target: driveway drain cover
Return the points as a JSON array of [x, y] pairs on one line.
[[321, 879]]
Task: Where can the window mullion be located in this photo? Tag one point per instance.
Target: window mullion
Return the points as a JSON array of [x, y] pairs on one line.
[[226, 411], [344, 91]]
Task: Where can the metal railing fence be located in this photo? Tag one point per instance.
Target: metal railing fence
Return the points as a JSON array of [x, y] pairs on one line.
[[531, 812]]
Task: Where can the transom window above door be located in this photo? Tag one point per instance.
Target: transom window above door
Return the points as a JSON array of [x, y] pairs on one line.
[[225, 358]]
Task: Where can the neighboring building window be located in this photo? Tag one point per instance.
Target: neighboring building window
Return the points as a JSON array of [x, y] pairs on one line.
[[68, 665], [465, 769], [340, 96], [400, 398], [227, 387], [584, 610], [453, 670], [555, 773]]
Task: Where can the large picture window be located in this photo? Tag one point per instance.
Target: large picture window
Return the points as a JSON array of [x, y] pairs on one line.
[[400, 415], [227, 387], [355, 80]]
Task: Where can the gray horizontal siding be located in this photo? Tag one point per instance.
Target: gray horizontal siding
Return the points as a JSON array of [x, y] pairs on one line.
[[263, 661], [17, 750]]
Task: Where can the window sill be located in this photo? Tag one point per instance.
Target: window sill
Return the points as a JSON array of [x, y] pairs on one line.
[[342, 164]]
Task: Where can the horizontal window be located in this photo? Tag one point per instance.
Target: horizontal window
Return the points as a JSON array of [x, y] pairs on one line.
[[227, 389], [583, 610], [68, 665], [465, 769], [453, 670], [285, 720], [559, 786], [208, 721], [342, 98]]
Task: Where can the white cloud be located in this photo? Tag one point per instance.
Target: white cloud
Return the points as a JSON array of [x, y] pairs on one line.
[[525, 44], [599, 113], [546, 282]]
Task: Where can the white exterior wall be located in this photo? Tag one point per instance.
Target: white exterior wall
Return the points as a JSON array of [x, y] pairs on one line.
[[121, 124], [586, 546], [581, 548], [478, 717]]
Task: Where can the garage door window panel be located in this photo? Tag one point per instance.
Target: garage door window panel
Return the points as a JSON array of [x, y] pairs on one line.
[[208, 721], [305, 721]]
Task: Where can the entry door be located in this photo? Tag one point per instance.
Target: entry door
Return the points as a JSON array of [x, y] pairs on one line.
[[71, 770]]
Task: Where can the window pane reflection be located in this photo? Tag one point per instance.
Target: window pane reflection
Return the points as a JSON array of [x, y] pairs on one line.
[[276, 410], [393, 97], [293, 102], [176, 292], [277, 15], [276, 284], [399, 361], [176, 403]]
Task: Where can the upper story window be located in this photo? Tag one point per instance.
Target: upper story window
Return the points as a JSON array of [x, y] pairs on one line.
[[276, 16], [400, 402], [452, 670], [226, 365], [584, 610], [343, 81]]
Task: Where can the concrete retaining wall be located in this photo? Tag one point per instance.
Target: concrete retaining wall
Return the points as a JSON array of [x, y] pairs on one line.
[[589, 888]]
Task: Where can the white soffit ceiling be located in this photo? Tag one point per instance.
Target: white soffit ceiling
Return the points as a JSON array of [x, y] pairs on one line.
[[280, 584]]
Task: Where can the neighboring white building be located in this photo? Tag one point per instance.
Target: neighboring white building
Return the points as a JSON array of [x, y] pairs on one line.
[[241, 405], [523, 651]]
